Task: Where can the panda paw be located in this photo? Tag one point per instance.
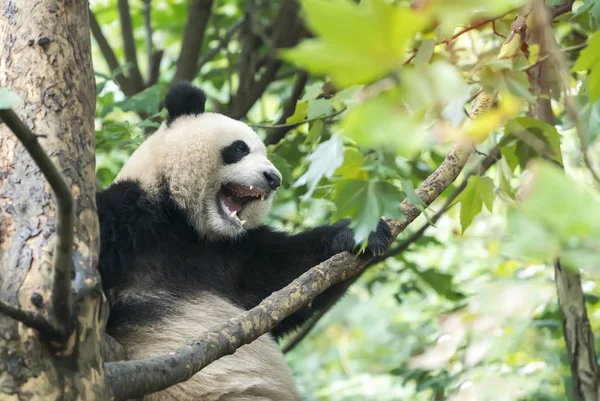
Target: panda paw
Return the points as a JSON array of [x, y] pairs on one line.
[[378, 242]]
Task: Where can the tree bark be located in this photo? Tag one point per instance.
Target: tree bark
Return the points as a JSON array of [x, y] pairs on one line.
[[46, 60]]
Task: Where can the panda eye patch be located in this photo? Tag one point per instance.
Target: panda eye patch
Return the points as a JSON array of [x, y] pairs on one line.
[[235, 152]]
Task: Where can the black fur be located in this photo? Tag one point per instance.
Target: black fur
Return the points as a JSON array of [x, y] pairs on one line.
[[184, 99], [235, 152], [153, 240]]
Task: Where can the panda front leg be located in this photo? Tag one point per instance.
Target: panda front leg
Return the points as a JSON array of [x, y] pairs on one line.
[[279, 258]]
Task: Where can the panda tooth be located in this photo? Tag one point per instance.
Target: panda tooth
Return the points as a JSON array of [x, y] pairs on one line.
[[262, 197], [234, 214], [243, 222], [251, 187]]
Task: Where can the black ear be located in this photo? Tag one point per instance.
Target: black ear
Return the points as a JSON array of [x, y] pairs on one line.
[[184, 99]]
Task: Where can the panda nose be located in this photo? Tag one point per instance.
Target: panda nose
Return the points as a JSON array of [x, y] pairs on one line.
[[273, 180]]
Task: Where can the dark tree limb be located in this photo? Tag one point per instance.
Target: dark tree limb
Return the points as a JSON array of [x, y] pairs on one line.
[[65, 219], [137, 83], [154, 70], [33, 321], [132, 379], [109, 55], [579, 338], [562, 9], [198, 15], [149, 41], [278, 133], [286, 31], [223, 42]]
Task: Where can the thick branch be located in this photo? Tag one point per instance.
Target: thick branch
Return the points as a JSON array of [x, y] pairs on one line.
[[65, 219], [278, 133], [483, 166], [154, 70], [31, 320], [577, 332], [195, 28], [132, 379], [129, 46], [109, 55]]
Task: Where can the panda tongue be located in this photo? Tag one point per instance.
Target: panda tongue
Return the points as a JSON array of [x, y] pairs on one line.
[[232, 203]]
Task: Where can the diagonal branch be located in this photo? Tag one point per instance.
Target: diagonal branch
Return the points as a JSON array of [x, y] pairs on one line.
[[483, 166], [31, 320], [286, 29], [109, 55], [278, 133], [135, 76], [195, 29], [131, 379], [65, 219], [223, 42]]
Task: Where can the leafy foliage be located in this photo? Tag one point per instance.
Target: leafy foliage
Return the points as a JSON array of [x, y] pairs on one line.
[[468, 310]]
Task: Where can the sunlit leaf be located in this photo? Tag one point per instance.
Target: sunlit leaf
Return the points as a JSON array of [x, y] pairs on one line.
[[318, 108], [479, 190], [380, 33], [376, 122], [352, 166], [328, 156], [366, 202], [300, 113]]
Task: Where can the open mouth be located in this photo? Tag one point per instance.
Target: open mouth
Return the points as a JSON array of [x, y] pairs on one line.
[[234, 197]]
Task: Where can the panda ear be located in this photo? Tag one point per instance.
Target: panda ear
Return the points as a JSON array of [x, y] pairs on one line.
[[184, 99]]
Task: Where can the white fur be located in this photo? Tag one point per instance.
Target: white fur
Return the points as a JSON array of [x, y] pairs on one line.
[[187, 154], [255, 372]]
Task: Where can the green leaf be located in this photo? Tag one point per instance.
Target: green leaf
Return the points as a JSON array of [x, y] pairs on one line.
[[328, 156], [517, 83], [299, 113], [479, 190], [283, 166], [590, 118], [366, 202], [561, 205], [380, 33], [316, 129], [8, 99], [529, 130], [318, 108], [590, 56], [425, 52], [146, 101], [376, 122], [352, 166]]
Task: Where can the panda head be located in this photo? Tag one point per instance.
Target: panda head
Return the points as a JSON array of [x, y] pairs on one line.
[[212, 167]]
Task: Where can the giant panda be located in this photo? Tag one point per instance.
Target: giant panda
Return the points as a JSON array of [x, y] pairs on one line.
[[183, 249]]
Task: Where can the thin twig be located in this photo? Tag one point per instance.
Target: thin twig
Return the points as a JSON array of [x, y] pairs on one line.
[[278, 133], [296, 124], [109, 56], [65, 218], [223, 42], [129, 46], [31, 320]]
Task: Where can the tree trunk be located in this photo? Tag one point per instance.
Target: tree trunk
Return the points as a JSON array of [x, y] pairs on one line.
[[46, 60]]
